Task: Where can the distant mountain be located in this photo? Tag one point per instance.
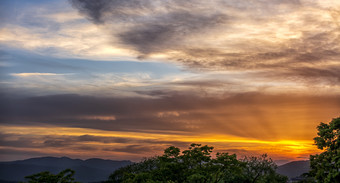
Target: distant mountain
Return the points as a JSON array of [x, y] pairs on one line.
[[293, 169], [91, 170], [96, 170]]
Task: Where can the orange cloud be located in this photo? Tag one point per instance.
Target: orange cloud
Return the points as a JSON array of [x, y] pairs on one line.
[[80, 142]]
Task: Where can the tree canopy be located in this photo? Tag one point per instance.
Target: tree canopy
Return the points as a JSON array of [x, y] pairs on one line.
[[65, 176], [197, 166], [325, 167]]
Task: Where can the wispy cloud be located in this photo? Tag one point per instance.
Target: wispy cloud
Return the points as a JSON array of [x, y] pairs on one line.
[[100, 118], [36, 74], [127, 145]]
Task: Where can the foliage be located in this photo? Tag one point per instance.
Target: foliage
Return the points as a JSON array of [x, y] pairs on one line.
[[197, 166], [65, 176], [325, 167], [306, 178], [262, 169]]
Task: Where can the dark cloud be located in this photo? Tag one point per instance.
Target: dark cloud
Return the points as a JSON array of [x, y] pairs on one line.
[[17, 140], [57, 143], [134, 149], [101, 11], [97, 8], [331, 73], [251, 115], [13, 140], [310, 75], [91, 138], [15, 154], [202, 83], [319, 48], [167, 32], [153, 30]]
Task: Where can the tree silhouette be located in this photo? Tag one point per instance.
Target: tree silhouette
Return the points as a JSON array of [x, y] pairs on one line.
[[197, 166], [65, 176], [325, 167], [261, 169]]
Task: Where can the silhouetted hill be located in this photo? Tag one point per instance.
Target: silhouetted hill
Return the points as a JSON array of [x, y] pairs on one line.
[[91, 170], [5, 181], [293, 169], [95, 170]]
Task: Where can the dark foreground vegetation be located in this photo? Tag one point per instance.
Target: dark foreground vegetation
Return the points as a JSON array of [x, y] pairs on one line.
[[195, 165], [325, 167], [65, 176]]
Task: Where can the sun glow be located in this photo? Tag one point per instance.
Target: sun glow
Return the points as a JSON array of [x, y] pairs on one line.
[[281, 148]]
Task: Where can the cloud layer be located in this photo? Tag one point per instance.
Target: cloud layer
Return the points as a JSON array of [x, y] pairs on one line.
[[249, 115], [219, 35], [132, 128]]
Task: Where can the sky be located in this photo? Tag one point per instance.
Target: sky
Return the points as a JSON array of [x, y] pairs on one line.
[[124, 79]]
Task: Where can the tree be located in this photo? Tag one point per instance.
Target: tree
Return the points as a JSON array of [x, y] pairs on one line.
[[262, 169], [137, 172], [65, 176], [171, 166], [196, 165], [325, 167], [228, 168]]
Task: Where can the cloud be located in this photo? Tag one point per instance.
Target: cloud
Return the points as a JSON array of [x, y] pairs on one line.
[[55, 29], [35, 74], [157, 37], [332, 73], [259, 35], [133, 145], [102, 118], [135, 149], [10, 154], [60, 144], [278, 37], [17, 140], [248, 115], [110, 79]]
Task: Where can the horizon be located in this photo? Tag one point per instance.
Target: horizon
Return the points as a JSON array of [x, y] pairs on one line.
[[279, 163], [125, 79]]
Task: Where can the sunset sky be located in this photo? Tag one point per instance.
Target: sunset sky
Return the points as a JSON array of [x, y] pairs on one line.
[[124, 79]]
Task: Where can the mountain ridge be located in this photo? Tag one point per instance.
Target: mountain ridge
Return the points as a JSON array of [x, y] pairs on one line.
[[89, 170], [96, 169], [294, 168]]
